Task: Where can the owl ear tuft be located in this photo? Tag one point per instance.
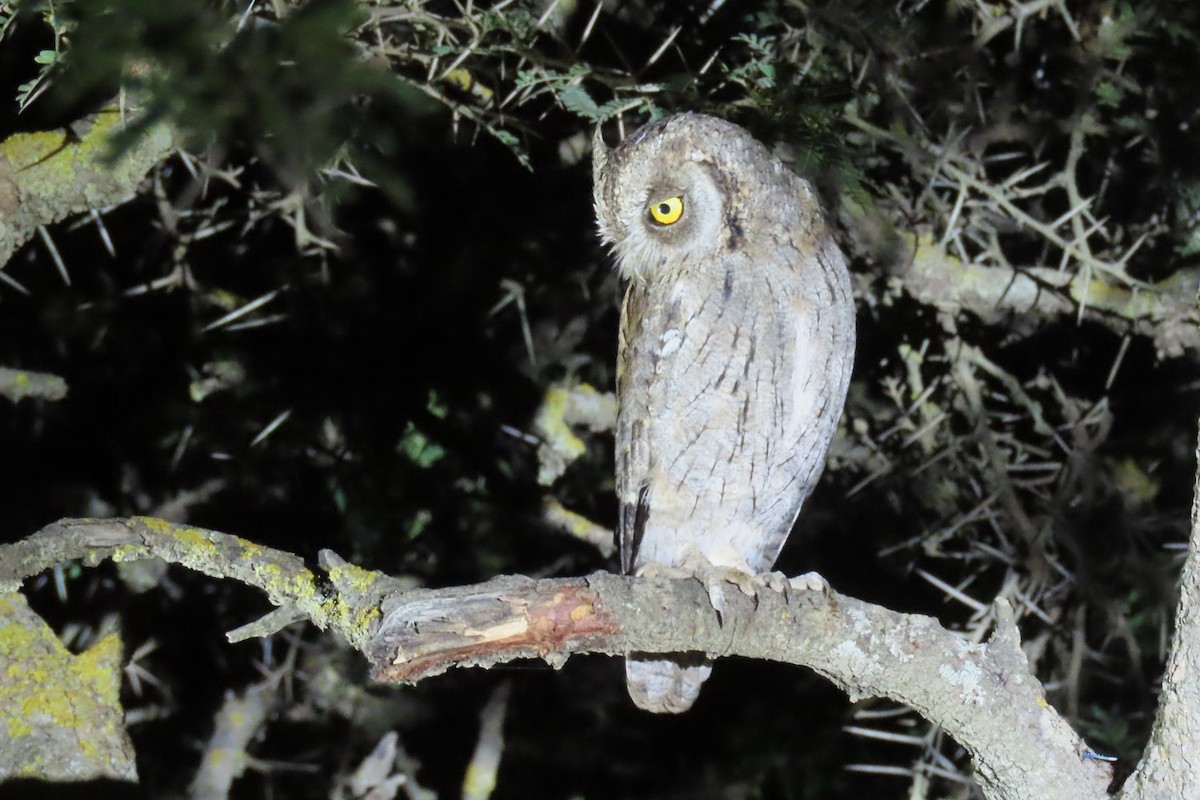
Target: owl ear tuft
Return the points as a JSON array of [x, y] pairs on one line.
[[599, 154], [607, 218]]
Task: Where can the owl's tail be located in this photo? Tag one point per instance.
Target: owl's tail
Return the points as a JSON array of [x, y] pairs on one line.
[[665, 686]]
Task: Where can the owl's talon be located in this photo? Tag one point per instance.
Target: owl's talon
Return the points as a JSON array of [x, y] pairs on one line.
[[775, 581], [716, 598], [808, 582], [714, 577]]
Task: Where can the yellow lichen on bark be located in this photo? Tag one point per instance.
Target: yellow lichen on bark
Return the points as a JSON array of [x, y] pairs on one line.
[[61, 713]]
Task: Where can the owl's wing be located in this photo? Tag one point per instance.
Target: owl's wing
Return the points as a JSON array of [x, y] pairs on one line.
[[635, 367]]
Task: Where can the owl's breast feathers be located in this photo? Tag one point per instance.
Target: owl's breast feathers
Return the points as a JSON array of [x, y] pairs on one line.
[[730, 383]]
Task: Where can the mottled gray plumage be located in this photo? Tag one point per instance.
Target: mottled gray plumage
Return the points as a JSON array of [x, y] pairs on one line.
[[736, 343]]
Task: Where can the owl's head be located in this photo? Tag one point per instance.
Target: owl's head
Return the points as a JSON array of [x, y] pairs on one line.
[[684, 188]]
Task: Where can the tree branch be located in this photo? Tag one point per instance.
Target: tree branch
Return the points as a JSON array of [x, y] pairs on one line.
[[49, 175], [17, 384], [1168, 768], [350, 609], [1165, 313], [982, 694]]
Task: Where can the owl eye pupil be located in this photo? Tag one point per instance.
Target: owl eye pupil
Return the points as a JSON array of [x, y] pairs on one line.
[[667, 212]]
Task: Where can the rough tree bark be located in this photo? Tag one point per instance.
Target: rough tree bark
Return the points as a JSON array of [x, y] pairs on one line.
[[1170, 767], [47, 176]]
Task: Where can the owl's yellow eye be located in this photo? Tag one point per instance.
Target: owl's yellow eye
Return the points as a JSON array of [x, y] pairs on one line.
[[667, 212]]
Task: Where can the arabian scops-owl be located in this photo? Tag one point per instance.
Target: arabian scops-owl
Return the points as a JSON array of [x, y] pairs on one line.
[[736, 343]]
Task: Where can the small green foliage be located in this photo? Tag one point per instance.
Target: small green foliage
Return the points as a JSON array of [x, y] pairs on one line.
[[436, 406], [419, 449], [1115, 37], [1180, 33], [291, 87], [1109, 94], [576, 100], [757, 72], [418, 523], [1187, 212], [30, 90], [567, 88]]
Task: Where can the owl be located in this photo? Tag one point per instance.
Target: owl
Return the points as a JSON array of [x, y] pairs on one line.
[[735, 349]]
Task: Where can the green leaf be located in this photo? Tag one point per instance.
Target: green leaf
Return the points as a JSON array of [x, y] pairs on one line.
[[435, 405], [419, 449], [1109, 94], [576, 100]]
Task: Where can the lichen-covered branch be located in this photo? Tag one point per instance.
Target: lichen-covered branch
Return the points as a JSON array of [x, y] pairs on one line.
[[49, 175], [481, 776], [579, 527], [225, 755], [18, 384], [60, 713], [564, 408], [1165, 313], [287, 582]]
